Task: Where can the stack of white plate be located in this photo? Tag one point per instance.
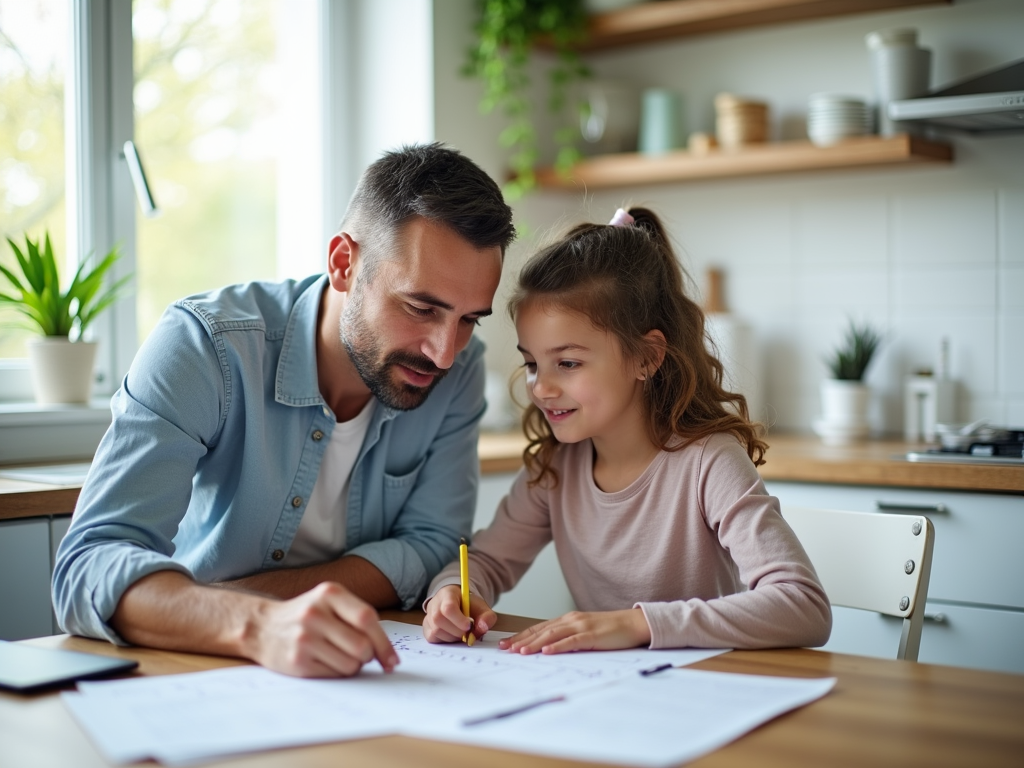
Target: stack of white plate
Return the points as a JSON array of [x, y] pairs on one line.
[[832, 118]]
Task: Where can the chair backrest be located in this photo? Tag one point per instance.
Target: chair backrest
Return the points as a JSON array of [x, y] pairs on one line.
[[871, 561]]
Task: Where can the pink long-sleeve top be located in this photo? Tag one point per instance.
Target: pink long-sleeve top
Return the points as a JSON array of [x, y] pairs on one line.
[[696, 542]]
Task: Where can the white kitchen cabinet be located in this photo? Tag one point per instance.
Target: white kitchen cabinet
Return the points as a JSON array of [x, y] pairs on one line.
[[25, 579], [27, 553], [542, 592], [977, 579], [59, 525]]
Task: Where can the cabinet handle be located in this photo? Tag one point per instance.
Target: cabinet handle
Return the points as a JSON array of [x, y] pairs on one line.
[[899, 506], [936, 618]]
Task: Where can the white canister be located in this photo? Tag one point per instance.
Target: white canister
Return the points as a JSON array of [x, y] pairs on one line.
[[735, 347], [901, 70]]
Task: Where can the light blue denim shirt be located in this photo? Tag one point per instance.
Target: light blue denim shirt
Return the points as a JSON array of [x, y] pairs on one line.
[[216, 441]]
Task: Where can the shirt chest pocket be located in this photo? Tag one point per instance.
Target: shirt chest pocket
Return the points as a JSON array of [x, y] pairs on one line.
[[398, 488]]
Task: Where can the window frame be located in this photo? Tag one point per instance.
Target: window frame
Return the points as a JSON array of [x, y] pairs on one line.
[[101, 205]]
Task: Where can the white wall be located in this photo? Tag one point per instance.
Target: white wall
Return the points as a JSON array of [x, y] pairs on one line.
[[922, 253]]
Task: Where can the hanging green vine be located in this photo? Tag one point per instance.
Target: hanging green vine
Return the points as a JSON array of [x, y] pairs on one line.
[[506, 32]]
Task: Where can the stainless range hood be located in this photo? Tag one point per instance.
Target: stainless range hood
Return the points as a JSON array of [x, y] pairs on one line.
[[989, 103]]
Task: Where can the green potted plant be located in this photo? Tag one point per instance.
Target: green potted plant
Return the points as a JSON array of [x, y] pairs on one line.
[[845, 397], [506, 33], [61, 368]]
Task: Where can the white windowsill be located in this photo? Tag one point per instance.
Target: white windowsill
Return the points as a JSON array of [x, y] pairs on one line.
[[20, 414], [31, 432]]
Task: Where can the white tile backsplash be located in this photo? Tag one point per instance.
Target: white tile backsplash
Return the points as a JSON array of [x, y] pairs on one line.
[[1011, 226], [1011, 289], [749, 231], [941, 289], [947, 228], [837, 232], [1011, 354], [849, 291], [1015, 413]]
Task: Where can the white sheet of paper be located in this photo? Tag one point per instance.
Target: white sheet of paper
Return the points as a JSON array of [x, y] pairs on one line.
[[483, 679], [180, 719], [661, 720], [189, 718]]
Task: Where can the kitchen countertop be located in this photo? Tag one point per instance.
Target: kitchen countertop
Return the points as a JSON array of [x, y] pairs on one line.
[[797, 458], [804, 458]]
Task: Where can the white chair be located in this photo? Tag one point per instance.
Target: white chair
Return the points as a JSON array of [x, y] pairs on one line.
[[871, 561]]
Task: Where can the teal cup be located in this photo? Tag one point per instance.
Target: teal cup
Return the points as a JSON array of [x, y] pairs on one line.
[[661, 121]]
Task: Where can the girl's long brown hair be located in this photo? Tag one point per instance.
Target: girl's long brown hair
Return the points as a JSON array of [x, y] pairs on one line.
[[627, 281]]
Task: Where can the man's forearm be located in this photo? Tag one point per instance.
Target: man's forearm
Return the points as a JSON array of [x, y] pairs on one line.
[[353, 572], [326, 632], [168, 610]]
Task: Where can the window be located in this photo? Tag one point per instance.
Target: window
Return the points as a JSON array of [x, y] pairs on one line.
[[33, 47], [224, 100], [226, 119], [223, 105]]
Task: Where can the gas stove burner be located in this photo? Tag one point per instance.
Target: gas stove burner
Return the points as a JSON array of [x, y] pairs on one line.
[[1004, 446]]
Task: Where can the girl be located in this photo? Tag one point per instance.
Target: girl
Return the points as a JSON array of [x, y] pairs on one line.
[[640, 466]]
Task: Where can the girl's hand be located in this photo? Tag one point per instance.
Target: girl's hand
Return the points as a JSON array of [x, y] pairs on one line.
[[445, 622], [577, 631]]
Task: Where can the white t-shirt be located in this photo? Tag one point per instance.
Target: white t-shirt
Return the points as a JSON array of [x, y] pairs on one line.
[[321, 534]]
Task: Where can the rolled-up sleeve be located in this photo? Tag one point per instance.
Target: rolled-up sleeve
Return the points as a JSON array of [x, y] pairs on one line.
[[165, 414]]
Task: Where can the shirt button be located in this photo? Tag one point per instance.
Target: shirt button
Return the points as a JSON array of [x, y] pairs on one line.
[[318, 435], [327, 411], [278, 554], [297, 501]]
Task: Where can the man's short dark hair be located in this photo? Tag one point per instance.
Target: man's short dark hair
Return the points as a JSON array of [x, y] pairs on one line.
[[435, 182]]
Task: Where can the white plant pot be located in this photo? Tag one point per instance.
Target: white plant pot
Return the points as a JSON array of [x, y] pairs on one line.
[[61, 369], [844, 411]]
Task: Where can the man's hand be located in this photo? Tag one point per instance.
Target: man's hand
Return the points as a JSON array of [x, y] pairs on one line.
[[577, 631], [445, 621], [326, 632]]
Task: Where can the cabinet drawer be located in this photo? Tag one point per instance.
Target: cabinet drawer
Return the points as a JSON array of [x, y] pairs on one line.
[[25, 579], [977, 536], [983, 638], [966, 636]]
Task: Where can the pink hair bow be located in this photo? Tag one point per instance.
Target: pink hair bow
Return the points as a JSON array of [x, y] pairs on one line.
[[621, 219]]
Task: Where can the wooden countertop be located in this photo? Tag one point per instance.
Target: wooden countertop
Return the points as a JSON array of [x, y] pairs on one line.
[[803, 458], [20, 498], [881, 713], [798, 458], [879, 462]]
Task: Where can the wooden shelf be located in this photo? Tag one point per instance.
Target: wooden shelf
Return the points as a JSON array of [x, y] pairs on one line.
[[607, 171], [653, 21]]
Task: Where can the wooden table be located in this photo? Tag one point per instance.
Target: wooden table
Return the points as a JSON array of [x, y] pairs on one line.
[[881, 713]]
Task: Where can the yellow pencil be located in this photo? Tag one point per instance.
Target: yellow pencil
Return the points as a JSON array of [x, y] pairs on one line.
[[469, 637]]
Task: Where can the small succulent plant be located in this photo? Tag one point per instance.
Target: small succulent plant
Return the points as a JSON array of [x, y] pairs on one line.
[[850, 360]]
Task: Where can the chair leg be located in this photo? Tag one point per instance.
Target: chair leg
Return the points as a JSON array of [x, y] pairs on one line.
[[910, 638]]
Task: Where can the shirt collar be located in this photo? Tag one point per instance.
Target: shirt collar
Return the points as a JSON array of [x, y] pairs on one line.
[[297, 382]]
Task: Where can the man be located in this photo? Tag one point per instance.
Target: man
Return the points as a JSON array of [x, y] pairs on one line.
[[285, 457]]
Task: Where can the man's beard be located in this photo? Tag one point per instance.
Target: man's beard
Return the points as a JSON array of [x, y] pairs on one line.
[[376, 368]]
